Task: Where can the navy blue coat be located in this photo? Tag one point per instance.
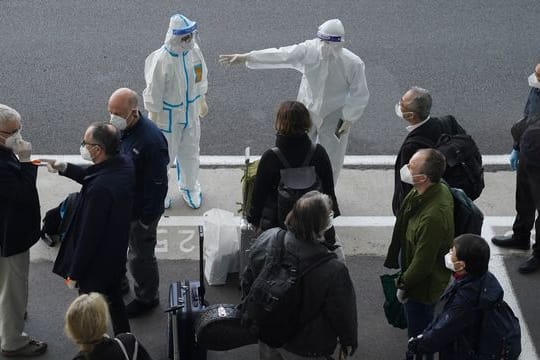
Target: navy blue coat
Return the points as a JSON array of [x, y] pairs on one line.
[[19, 204], [94, 248], [145, 144], [532, 107], [455, 331]]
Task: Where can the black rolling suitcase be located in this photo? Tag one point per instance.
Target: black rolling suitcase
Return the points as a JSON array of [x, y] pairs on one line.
[[186, 302]]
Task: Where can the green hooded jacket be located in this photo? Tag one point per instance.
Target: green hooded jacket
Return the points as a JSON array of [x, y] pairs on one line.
[[423, 234]]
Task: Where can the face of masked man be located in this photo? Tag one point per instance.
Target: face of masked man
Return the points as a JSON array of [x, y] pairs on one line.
[[329, 49], [181, 43]]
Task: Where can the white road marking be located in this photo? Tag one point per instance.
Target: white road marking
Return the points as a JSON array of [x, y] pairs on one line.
[[236, 161], [497, 267]]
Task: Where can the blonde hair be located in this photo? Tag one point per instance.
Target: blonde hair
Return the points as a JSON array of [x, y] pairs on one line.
[[86, 320]]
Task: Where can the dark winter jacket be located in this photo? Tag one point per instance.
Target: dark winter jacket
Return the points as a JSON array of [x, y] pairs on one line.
[[532, 107], [109, 349], [430, 131], [19, 204], [94, 248], [329, 311], [294, 149], [145, 144], [422, 235], [454, 332]]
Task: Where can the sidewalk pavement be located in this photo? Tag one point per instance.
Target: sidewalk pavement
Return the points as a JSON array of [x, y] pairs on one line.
[[364, 228]]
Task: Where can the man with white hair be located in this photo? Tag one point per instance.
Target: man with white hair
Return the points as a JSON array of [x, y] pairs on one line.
[[175, 98], [20, 223], [333, 86]]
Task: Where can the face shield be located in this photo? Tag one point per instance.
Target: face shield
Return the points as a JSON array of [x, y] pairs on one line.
[[331, 36], [181, 34]]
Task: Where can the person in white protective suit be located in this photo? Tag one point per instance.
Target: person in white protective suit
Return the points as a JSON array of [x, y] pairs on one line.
[[333, 86], [175, 98]]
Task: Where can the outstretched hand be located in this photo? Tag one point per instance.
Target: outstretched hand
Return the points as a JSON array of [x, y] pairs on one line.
[[232, 59]]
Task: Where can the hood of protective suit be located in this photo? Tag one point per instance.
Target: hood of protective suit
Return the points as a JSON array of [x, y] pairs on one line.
[[179, 27], [331, 30]]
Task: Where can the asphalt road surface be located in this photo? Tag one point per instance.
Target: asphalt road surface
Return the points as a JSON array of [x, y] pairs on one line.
[[60, 60]]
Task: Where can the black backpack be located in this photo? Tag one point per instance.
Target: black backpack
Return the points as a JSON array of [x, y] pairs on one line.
[[57, 220], [499, 333], [464, 168], [468, 218], [271, 307], [294, 182]]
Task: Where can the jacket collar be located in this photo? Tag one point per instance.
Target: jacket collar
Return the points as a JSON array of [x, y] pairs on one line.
[[134, 128], [104, 167], [291, 141]]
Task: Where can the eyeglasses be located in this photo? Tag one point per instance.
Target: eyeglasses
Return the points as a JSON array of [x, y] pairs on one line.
[[84, 143], [187, 38]]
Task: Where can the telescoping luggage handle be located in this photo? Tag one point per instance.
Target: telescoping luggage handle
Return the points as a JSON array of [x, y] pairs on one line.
[[202, 290]]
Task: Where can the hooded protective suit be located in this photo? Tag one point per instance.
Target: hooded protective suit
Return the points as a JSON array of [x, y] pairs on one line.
[[176, 84], [333, 84]]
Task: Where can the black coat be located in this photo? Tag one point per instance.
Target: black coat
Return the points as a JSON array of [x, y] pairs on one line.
[[455, 332], [294, 149], [109, 349], [94, 248], [19, 204], [145, 144], [329, 309], [430, 131]]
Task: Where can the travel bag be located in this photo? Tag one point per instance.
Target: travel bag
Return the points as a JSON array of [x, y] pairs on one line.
[[186, 302], [219, 328]]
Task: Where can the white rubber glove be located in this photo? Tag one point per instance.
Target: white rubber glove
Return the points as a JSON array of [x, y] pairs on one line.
[[54, 166], [23, 150], [233, 59], [203, 107], [400, 294], [345, 127]]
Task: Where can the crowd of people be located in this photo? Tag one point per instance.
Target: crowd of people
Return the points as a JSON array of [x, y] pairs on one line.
[[124, 193]]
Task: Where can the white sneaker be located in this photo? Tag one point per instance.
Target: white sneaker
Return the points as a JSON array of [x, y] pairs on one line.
[[192, 198], [167, 203]]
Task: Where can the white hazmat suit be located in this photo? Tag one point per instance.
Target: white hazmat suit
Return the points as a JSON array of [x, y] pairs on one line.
[[176, 84], [333, 85]]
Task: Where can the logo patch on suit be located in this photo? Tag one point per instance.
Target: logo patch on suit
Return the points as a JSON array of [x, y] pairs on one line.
[[198, 72]]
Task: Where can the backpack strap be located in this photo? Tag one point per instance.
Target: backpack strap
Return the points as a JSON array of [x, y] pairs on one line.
[[278, 244], [280, 156], [123, 348], [309, 155]]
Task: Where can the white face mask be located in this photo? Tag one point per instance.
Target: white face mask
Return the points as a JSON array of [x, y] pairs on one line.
[[330, 49], [118, 122], [533, 81], [405, 175], [13, 141], [187, 45], [398, 111], [85, 154], [178, 45], [448, 263]]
